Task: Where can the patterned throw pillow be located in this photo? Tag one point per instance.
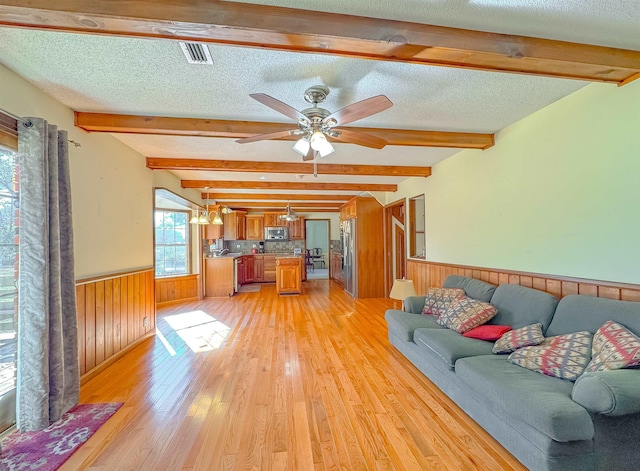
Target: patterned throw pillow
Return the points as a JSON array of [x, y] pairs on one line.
[[466, 313], [523, 337], [614, 347], [438, 300], [563, 356]]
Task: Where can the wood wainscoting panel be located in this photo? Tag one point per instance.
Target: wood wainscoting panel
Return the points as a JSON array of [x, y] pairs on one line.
[[430, 274], [177, 289], [111, 314]]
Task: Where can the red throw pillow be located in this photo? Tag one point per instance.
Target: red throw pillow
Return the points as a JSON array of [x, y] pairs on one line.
[[488, 332]]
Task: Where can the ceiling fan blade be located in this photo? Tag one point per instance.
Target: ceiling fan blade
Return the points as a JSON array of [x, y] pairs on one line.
[[360, 109], [267, 136], [278, 106], [360, 138], [310, 155]]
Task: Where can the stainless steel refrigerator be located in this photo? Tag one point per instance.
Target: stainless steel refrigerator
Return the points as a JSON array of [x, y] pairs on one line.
[[350, 257]]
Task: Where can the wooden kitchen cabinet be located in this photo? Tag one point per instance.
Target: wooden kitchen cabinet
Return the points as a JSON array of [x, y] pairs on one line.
[[296, 229], [258, 268], [213, 232], [218, 274], [366, 216], [289, 275], [269, 268], [254, 227], [240, 273], [272, 219], [234, 225], [249, 269]]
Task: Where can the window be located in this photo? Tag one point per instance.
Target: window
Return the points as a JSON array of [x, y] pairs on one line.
[[172, 242], [9, 205], [417, 239]]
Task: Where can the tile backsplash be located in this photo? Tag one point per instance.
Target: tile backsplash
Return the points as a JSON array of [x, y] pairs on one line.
[[270, 246]]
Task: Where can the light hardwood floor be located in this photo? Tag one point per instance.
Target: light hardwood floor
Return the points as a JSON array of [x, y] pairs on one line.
[[305, 382]]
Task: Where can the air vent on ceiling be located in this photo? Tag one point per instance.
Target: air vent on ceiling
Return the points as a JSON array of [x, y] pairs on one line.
[[196, 53]]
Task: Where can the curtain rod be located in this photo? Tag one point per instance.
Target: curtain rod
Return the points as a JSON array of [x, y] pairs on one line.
[[28, 124]]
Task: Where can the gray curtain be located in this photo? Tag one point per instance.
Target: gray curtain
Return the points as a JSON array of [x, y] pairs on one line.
[[48, 380]]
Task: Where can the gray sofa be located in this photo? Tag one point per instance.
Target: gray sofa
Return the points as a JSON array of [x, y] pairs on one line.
[[545, 422]]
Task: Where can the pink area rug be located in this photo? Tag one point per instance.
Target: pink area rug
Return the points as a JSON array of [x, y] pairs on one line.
[[48, 449]]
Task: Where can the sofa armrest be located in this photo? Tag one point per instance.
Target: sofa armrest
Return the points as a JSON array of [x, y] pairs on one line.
[[611, 393], [414, 304]]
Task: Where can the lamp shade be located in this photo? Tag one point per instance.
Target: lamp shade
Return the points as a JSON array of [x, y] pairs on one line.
[[402, 289]]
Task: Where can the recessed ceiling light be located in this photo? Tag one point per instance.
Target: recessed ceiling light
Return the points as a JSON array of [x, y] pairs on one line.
[[262, 177]]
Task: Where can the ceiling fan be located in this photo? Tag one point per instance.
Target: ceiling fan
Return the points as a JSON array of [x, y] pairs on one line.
[[316, 124]]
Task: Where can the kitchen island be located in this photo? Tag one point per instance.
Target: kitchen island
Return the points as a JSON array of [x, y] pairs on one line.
[[289, 275], [224, 274]]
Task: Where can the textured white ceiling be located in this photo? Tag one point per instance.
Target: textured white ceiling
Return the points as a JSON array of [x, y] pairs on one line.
[[614, 23], [143, 76]]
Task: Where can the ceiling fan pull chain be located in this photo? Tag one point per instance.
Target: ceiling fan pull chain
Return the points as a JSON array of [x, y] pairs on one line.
[[315, 168]]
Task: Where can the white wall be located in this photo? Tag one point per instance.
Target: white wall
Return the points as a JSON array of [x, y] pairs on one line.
[[112, 190], [559, 193]]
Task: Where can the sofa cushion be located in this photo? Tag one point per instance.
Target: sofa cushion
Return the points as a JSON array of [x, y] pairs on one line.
[[507, 390], [612, 393], [473, 288], [466, 313], [437, 300], [450, 345], [404, 324], [579, 312], [563, 356], [519, 306], [526, 336], [487, 332], [614, 348]]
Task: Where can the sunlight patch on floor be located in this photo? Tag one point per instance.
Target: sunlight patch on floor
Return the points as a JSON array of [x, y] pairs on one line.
[[200, 331]]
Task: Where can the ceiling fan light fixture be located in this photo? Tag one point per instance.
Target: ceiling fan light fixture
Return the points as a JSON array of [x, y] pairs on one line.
[[302, 146], [320, 144]]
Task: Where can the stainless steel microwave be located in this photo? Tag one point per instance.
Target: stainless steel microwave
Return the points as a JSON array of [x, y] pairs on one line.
[[276, 233]]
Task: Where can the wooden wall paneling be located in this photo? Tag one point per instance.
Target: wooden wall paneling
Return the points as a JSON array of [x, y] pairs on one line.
[[630, 295], [130, 310], [117, 321], [526, 281], [111, 312], [90, 326], [554, 287], [108, 318], [137, 308], [587, 289], [124, 313], [81, 315], [175, 289], [569, 287], [608, 292], [426, 274], [99, 322]]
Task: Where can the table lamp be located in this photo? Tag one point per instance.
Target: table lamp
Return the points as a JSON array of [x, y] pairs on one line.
[[402, 289]]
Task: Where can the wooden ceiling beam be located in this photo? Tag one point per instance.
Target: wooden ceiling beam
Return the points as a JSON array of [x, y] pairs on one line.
[[251, 185], [289, 29], [283, 205], [298, 168], [202, 127], [275, 196]]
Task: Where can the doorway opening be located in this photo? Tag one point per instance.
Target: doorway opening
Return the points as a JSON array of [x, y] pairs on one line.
[[395, 244], [317, 248]]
